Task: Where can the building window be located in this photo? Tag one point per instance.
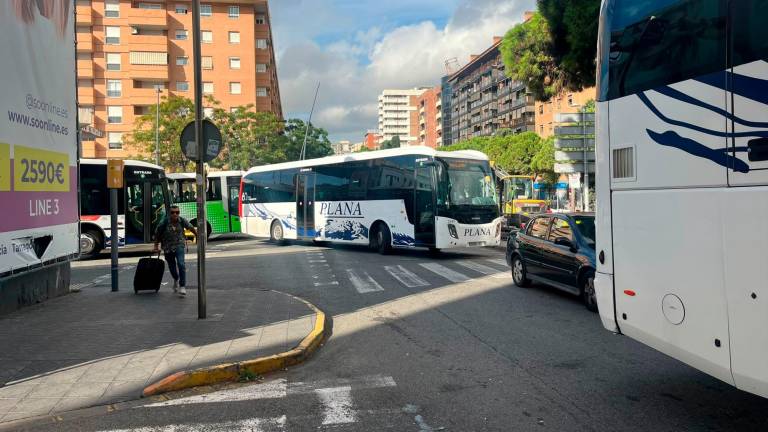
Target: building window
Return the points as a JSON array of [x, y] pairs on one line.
[[261, 67], [206, 36], [151, 6], [114, 88], [234, 62], [114, 114], [113, 61], [260, 19], [206, 62], [235, 88], [115, 140], [261, 43], [570, 99], [181, 9], [112, 8], [234, 110], [541, 109], [206, 10], [541, 129], [181, 35], [261, 91], [234, 11], [234, 37], [112, 35], [182, 60], [148, 58], [208, 112], [208, 87], [182, 86]]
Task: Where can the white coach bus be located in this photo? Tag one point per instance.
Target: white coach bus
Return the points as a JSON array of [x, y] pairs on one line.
[[413, 196], [682, 181]]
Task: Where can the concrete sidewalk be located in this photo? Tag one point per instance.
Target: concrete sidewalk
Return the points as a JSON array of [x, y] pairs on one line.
[[97, 347]]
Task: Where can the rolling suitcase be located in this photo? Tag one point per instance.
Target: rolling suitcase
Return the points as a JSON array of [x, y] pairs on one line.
[[149, 274]]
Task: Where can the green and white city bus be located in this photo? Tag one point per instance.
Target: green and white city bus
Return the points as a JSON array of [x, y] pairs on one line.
[[222, 198]]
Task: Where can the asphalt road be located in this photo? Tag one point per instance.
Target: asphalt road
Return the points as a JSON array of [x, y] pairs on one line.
[[428, 343]]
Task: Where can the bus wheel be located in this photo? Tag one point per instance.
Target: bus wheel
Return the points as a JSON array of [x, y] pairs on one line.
[[276, 232], [90, 244], [588, 295], [434, 251], [383, 239]]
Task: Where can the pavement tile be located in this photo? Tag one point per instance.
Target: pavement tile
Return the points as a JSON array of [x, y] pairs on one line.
[[123, 389], [95, 389], [7, 405], [73, 403], [50, 390], [65, 376], [17, 390], [37, 405], [135, 373]]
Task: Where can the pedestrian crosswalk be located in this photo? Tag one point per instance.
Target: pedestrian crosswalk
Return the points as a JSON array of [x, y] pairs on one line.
[[410, 274]]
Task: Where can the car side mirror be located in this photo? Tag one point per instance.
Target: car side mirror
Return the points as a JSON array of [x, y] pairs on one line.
[[564, 241]]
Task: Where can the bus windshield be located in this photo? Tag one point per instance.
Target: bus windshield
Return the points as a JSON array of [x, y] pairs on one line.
[[519, 188], [466, 183]]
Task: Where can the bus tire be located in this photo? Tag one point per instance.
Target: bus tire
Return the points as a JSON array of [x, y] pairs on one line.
[[434, 251], [383, 239], [519, 273], [276, 233], [588, 295], [91, 243]]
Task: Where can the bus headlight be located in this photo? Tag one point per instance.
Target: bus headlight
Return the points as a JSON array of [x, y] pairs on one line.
[[452, 231]]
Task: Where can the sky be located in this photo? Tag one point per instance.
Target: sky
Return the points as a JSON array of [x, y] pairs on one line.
[[357, 48]]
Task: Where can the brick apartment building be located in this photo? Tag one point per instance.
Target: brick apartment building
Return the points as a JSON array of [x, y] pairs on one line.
[[430, 109], [372, 139], [484, 100], [565, 102], [399, 115], [127, 49]]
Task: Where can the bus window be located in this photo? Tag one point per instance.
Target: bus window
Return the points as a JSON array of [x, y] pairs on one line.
[[158, 210], [214, 189]]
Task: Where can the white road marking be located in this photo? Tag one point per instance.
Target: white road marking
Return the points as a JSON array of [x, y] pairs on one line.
[[247, 425], [365, 382], [317, 284], [484, 269], [406, 277], [445, 272], [268, 390], [363, 284], [500, 262], [337, 402], [317, 261]]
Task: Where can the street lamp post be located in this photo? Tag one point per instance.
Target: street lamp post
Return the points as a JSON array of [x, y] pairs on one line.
[[157, 127]]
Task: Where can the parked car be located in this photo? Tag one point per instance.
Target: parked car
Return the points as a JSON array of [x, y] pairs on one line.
[[556, 250]]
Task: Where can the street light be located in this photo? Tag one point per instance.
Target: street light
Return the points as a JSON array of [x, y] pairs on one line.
[[157, 126]]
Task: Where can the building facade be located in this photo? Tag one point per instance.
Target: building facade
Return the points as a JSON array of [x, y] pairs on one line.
[[484, 99], [399, 116], [565, 102], [372, 139], [128, 51], [430, 108], [446, 93]]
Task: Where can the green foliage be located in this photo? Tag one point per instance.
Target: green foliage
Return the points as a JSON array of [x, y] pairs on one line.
[[391, 143], [589, 106], [525, 52], [524, 153], [175, 114], [573, 28], [363, 149], [318, 144]]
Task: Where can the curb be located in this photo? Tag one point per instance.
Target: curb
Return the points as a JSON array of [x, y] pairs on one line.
[[229, 372]]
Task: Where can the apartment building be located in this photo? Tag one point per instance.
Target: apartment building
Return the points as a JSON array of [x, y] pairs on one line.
[[565, 102], [128, 51], [484, 100], [430, 108], [372, 139], [399, 116]]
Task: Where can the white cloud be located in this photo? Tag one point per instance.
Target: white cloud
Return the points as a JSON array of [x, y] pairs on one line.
[[354, 70]]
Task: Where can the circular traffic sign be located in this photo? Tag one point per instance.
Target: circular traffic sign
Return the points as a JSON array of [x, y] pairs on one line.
[[211, 139]]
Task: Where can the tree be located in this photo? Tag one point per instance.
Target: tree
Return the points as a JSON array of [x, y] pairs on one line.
[[391, 143], [573, 27], [251, 138], [525, 52], [175, 114], [318, 144], [543, 162]]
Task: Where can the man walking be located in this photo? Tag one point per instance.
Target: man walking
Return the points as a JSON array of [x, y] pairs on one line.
[[170, 233]]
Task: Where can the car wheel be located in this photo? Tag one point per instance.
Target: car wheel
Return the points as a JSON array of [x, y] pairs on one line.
[[383, 239], [276, 232], [519, 273], [90, 244], [588, 292]]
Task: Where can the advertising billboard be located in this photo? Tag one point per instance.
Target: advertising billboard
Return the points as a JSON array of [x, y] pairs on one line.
[[38, 133]]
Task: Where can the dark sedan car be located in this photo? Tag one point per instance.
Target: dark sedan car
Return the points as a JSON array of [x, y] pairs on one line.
[[556, 250]]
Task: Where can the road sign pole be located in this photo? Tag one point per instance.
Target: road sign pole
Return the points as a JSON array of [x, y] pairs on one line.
[[202, 229], [113, 237]]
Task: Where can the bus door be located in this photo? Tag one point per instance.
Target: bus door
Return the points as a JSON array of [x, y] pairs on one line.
[[424, 204], [233, 201], [146, 206], [305, 204]]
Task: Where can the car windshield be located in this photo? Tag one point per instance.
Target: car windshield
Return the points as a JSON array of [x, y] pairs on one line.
[[469, 183], [586, 226]]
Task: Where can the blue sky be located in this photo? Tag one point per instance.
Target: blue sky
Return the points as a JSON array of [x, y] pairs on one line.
[[356, 48]]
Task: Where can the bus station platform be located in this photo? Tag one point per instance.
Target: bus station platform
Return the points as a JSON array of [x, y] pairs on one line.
[[97, 347]]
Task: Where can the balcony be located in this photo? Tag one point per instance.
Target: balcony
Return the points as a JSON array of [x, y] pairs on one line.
[[85, 95], [144, 96], [84, 16], [149, 72], [85, 69], [157, 18], [156, 43], [84, 42]]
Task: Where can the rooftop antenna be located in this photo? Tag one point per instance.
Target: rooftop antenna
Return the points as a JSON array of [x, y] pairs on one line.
[[306, 132], [451, 65]]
